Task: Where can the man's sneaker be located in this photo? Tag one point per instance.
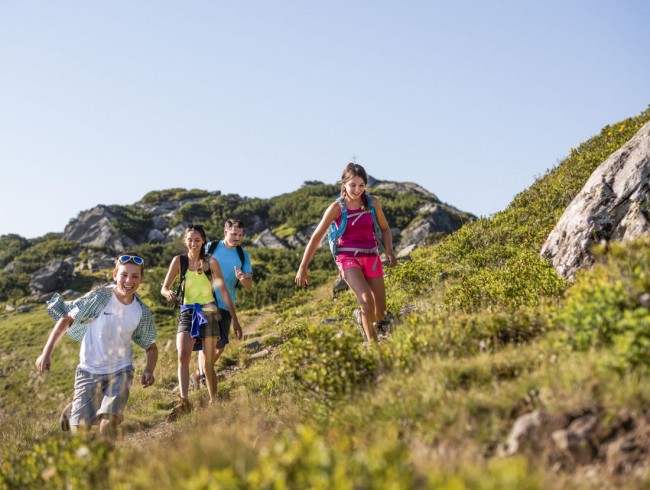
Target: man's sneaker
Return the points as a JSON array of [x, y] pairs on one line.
[[64, 419], [359, 322], [197, 381]]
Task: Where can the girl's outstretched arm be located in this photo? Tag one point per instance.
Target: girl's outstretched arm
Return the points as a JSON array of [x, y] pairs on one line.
[[44, 361], [331, 213]]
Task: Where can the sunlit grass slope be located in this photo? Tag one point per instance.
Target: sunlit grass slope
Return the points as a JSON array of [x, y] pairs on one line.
[[488, 333]]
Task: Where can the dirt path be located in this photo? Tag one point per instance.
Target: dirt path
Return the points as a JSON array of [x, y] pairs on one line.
[[165, 429]]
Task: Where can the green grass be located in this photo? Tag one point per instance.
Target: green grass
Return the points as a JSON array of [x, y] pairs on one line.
[[429, 407]]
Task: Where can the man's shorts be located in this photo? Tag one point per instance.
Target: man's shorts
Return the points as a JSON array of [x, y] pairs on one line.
[[224, 328], [370, 265], [100, 394], [210, 329]]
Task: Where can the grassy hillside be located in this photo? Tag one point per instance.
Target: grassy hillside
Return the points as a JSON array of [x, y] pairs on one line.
[[487, 333]]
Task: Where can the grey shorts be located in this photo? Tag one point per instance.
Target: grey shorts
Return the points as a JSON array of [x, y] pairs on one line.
[[224, 328], [210, 329], [100, 394]]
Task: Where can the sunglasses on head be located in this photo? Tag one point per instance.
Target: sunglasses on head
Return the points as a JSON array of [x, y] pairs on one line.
[[194, 227], [234, 222], [124, 259]]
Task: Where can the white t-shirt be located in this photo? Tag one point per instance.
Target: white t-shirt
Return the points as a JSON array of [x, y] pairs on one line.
[[106, 347]]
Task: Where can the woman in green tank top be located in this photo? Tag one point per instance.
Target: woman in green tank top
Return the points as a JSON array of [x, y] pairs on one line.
[[199, 316]]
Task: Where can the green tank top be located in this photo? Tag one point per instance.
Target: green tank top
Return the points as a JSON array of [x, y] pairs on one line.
[[197, 289]]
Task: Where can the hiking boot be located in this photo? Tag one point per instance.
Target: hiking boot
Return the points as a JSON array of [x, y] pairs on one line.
[[64, 419], [181, 407], [357, 319], [384, 326]]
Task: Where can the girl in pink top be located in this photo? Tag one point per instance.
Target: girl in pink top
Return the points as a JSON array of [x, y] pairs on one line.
[[358, 260]]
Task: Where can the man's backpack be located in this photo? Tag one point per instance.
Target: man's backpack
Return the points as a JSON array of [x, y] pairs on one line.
[[212, 246], [335, 232]]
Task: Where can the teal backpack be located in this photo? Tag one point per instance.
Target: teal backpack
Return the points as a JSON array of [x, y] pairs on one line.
[[335, 232]]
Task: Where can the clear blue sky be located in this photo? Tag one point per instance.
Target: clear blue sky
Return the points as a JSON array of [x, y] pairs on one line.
[[102, 102]]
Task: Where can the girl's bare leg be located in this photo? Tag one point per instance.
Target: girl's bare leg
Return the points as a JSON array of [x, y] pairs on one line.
[[366, 299]]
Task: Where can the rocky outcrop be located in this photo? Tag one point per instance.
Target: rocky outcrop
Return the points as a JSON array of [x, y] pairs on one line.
[[613, 444], [433, 218], [98, 227], [401, 187], [269, 239], [614, 204], [95, 228]]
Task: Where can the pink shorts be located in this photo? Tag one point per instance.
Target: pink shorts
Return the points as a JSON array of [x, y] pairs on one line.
[[370, 265]]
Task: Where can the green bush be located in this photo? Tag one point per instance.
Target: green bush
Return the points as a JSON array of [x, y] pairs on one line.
[[328, 365], [522, 280], [36, 256], [415, 276], [11, 246], [131, 221], [604, 307], [175, 194], [13, 286], [302, 208], [457, 334], [59, 464], [305, 459]]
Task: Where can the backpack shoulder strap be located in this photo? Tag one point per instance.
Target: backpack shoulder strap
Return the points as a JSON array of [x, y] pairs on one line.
[[240, 251], [212, 246], [242, 257], [184, 265], [180, 292]]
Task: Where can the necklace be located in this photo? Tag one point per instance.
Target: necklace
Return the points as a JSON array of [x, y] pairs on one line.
[[199, 266]]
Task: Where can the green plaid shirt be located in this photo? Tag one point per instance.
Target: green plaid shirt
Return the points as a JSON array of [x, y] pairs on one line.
[[91, 306]]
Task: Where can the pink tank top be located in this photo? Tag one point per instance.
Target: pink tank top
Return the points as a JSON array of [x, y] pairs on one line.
[[359, 232]]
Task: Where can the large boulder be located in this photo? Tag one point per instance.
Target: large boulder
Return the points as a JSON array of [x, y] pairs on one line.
[[55, 276], [614, 204], [95, 228]]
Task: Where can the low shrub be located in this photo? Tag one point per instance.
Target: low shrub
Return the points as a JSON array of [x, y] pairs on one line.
[[328, 365], [522, 280], [457, 334], [608, 304], [305, 459], [59, 463]]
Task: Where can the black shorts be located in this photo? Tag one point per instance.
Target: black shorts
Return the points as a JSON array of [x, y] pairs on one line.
[[224, 328], [210, 329]]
